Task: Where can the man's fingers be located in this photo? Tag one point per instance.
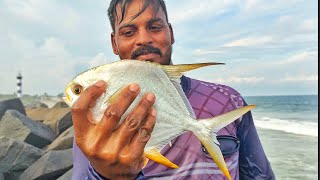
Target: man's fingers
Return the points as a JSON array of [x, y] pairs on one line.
[[119, 103], [81, 109], [134, 152], [141, 138], [136, 118]]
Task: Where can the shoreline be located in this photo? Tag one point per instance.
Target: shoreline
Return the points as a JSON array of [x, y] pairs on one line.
[[292, 156]]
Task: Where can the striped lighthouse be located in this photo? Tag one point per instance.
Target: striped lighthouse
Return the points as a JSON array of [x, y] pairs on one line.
[[19, 85]]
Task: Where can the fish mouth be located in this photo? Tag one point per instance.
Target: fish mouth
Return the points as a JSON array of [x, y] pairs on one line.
[[67, 99]]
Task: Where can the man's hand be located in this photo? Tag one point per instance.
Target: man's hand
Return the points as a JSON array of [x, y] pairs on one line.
[[115, 151]]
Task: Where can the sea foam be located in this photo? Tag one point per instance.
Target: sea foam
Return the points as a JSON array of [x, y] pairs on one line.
[[290, 126]]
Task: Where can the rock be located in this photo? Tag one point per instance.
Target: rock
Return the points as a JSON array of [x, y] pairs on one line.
[[64, 141], [50, 166], [36, 104], [16, 156], [37, 114], [50, 101], [52, 117], [64, 123], [66, 176], [11, 104], [20, 127], [60, 104]]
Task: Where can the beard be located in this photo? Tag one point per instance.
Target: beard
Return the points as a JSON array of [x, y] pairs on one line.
[[146, 49]]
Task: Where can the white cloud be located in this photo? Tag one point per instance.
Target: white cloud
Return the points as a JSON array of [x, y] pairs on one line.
[[180, 11], [46, 67], [296, 24], [265, 7], [310, 25], [284, 19], [52, 40], [200, 52], [250, 4], [98, 60], [300, 78], [49, 13], [250, 41], [240, 80], [28, 9], [54, 47], [301, 57]]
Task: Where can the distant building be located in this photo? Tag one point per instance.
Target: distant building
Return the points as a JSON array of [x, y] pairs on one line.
[[19, 85]]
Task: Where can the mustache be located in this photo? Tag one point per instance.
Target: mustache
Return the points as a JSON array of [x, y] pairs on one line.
[[145, 50]]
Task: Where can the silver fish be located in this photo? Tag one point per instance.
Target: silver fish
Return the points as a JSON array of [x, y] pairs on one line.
[[174, 112]]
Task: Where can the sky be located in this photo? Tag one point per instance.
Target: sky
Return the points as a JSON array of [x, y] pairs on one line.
[[269, 47]]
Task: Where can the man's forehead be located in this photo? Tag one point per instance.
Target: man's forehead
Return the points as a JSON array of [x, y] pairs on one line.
[[133, 8]]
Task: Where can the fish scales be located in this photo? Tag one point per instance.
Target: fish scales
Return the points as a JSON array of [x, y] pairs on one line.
[[170, 107]]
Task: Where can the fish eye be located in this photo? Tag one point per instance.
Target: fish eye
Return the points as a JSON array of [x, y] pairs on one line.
[[77, 89]]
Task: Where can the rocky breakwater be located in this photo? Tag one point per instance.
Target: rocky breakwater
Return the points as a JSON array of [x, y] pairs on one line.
[[35, 142]]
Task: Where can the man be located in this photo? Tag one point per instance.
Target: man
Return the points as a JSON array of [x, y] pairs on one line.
[[141, 31]]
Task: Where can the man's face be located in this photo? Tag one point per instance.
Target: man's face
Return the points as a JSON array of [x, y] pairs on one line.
[[146, 37]]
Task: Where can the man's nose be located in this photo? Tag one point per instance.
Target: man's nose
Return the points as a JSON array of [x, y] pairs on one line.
[[144, 38]]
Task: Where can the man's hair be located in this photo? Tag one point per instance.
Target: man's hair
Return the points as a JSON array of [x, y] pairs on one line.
[[112, 13]]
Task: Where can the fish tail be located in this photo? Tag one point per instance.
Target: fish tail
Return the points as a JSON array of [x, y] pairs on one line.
[[207, 134]]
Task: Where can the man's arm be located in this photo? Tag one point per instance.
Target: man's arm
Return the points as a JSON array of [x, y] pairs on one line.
[[253, 163], [114, 151]]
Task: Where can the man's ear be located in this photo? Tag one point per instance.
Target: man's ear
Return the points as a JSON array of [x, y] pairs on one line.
[[114, 44], [171, 33]]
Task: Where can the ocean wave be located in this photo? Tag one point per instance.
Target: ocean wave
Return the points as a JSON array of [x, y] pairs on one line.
[[290, 126]]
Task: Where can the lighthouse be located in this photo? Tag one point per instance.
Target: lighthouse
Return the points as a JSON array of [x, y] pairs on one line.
[[19, 85]]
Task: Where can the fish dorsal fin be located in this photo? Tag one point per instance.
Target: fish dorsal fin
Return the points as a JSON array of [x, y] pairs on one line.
[[175, 71]]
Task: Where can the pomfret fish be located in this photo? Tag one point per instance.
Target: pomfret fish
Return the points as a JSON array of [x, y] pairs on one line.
[[174, 112]]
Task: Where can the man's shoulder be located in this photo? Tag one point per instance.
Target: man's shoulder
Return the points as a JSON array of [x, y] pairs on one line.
[[201, 85], [216, 92]]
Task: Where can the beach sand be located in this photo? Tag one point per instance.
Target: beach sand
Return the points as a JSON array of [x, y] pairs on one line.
[[292, 156]]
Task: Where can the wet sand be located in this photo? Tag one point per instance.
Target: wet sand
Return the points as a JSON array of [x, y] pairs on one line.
[[292, 156]]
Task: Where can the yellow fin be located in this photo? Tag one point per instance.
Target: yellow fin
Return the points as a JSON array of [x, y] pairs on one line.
[[218, 122], [207, 134], [145, 162], [175, 71], [216, 155], [157, 157]]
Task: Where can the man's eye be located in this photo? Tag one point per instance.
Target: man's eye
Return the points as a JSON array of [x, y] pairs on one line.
[[128, 33], [155, 28]]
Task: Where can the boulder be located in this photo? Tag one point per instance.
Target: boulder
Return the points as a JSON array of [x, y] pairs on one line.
[[50, 101], [64, 123], [60, 104], [16, 156], [50, 166], [63, 141], [36, 104], [20, 127], [11, 104], [58, 119], [66, 176]]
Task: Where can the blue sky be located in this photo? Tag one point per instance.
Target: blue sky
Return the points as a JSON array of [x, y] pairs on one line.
[[270, 47]]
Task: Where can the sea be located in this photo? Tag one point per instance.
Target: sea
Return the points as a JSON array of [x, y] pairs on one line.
[[288, 130]]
